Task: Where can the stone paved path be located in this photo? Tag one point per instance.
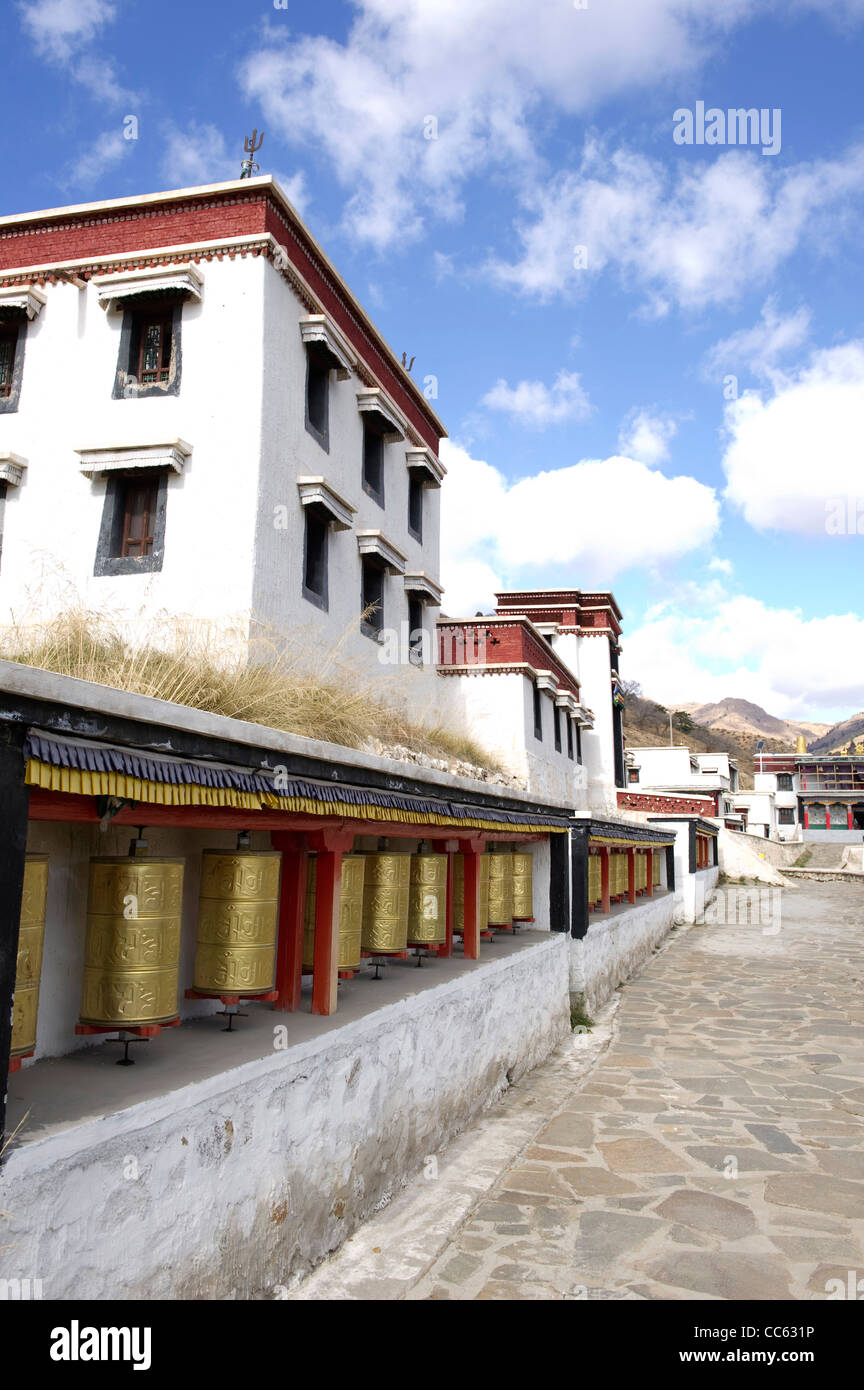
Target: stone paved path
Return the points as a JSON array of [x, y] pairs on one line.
[[714, 1149]]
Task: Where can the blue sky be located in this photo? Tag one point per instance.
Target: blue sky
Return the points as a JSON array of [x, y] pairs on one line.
[[675, 410]]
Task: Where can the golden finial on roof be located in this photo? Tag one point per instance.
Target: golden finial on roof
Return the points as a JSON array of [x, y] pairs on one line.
[[801, 746]]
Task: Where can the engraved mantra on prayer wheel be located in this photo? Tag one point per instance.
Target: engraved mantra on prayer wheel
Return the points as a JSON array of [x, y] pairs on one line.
[[132, 955], [427, 900], [238, 912], [385, 903], [641, 870], [523, 890], [618, 874], [656, 869], [350, 913], [31, 934], [459, 892], [500, 890], [595, 887]]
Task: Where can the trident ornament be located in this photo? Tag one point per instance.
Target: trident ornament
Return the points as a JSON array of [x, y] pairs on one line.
[[251, 145]]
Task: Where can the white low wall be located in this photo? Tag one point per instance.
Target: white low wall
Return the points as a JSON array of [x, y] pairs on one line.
[[616, 946], [748, 856], [231, 1186]]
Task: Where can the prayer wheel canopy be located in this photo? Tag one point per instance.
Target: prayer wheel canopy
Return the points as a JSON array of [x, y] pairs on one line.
[[427, 900], [238, 912], [350, 916], [386, 890], [132, 954], [31, 933]]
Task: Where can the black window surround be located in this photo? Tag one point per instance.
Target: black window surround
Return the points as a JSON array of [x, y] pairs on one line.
[[569, 738], [373, 461], [784, 782], [416, 490], [136, 309], [319, 364], [556, 727], [316, 544], [109, 561], [538, 713], [373, 576], [13, 328]]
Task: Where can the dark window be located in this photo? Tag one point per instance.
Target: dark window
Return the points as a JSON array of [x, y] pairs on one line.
[[538, 714], [784, 781], [415, 504], [415, 631], [632, 774], [132, 534], [578, 743], [13, 331], [2, 516], [785, 815], [318, 367], [315, 557], [149, 361], [373, 462], [556, 725], [569, 737], [372, 597], [8, 345]]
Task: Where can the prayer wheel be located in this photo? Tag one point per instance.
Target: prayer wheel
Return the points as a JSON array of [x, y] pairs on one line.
[[132, 954], [500, 889], [618, 874], [523, 893], [350, 912], [427, 900], [238, 913], [386, 888], [31, 934], [459, 893], [656, 875], [595, 882], [641, 871]]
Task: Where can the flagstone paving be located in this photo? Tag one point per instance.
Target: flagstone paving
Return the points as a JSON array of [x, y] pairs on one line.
[[713, 1151]]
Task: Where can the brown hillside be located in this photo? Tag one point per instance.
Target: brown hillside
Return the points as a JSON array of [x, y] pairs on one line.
[[647, 724]]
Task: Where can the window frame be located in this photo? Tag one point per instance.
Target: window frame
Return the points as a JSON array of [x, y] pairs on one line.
[[556, 727], [318, 517], [570, 753], [109, 558], [538, 712], [782, 779], [137, 311], [319, 365], [416, 500], [374, 626], [786, 815], [13, 325], [376, 493], [415, 647]]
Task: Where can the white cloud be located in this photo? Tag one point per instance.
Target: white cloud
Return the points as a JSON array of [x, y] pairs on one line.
[[534, 404], [63, 31], [109, 149], [693, 235], [196, 155], [720, 566], [790, 456], [746, 649], [758, 349], [646, 436], [602, 515], [470, 75]]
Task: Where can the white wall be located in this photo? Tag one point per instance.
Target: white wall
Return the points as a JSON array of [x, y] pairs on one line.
[[616, 946], [242, 1182], [589, 660]]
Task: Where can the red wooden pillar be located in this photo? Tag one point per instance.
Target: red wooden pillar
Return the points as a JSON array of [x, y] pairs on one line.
[[631, 875], [447, 847], [329, 845], [806, 817], [849, 816], [827, 816], [605, 903], [471, 851], [650, 872], [292, 907]]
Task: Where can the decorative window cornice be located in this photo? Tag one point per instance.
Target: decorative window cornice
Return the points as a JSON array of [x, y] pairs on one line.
[[422, 587], [318, 492], [423, 460], [376, 544], [544, 680], [12, 468], [317, 328], [25, 297], [171, 453], [113, 289], [390, 421]]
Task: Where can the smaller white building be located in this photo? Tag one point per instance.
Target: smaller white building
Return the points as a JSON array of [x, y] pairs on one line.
[[772, 807]]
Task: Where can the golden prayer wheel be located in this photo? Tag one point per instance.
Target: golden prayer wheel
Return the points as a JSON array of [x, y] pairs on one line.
[[500, 889], [523, 893], [31, 934], [459, 893], [595, 881], [427, 900], [386, 888], [350, 912], [238, 913], [656, 876], [618, 874], [132, 954], [641, 871]]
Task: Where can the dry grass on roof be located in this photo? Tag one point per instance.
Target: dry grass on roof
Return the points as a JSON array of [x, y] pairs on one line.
[[206, 667]]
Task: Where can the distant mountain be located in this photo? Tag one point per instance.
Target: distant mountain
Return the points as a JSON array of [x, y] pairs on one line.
[[839, 736], [743, 717]]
